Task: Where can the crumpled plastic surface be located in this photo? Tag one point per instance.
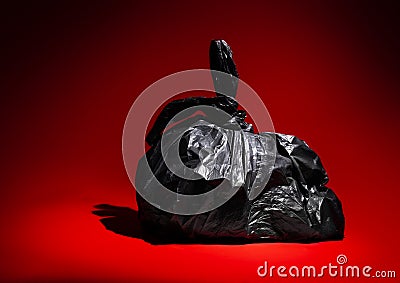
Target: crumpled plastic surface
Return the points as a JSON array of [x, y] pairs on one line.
[[294, 205]]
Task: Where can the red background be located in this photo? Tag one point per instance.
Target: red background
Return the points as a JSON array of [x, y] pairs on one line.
[[327, 71]]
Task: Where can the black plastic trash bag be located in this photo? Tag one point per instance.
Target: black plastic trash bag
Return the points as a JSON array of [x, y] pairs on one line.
[[294, 205]]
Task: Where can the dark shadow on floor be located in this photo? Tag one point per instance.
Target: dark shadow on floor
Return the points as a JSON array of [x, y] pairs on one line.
[[124, 221], [120, 220]]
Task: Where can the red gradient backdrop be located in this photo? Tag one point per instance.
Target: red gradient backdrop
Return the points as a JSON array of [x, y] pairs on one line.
[[327, 71]]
